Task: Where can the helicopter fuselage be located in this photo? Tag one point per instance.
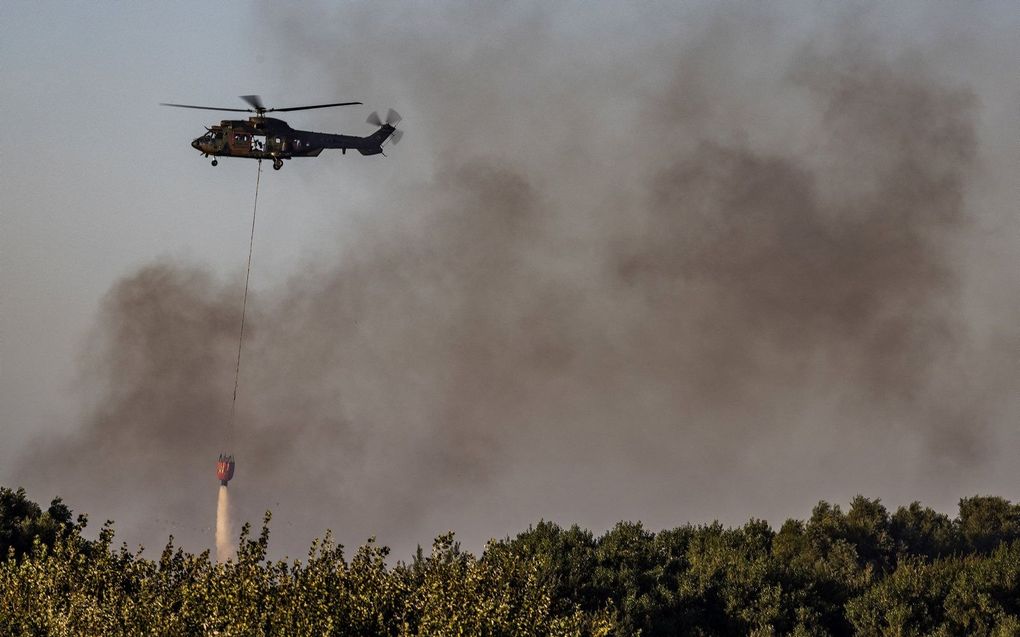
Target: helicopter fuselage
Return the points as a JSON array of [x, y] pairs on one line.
[[274, 139]]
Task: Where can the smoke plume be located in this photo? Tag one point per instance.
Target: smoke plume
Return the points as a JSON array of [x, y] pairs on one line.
[[667, 265]]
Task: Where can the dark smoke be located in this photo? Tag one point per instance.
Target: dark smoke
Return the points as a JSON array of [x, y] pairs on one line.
[[742, 299]]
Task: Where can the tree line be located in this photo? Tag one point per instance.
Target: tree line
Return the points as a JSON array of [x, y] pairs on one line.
[[863, 571]]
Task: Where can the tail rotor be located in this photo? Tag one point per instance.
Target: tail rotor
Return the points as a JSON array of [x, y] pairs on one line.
[[392, 119]]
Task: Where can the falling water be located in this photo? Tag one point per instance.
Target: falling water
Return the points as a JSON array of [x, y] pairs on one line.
[[224, 545]]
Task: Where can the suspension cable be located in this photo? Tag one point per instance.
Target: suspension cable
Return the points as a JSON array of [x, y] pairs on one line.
[[244, 305]]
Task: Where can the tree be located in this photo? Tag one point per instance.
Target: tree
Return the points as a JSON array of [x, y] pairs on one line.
[[23, 521], [985, 522], [863, 572], [921, 531]]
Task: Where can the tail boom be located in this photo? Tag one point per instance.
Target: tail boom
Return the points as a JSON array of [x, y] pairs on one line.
[[371, 145]]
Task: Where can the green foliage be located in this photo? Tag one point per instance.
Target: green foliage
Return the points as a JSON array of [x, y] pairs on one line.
[[974, 595], [921, 531], [986, 522], [22, 522], [916, 572]]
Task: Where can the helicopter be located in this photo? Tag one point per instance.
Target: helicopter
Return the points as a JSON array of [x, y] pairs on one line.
[[262, 137]]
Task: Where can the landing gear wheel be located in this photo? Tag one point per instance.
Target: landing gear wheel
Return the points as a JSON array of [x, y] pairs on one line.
[[277, 164], [215, 162]]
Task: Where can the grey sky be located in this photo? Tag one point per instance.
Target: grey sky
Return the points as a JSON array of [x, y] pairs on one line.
[[520, 313]]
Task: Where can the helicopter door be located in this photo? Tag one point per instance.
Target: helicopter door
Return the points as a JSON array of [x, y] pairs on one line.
[[258, 143]]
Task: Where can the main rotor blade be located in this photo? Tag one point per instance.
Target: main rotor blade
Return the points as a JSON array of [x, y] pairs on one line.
[[208, 108], [305, 108], [255, 101]]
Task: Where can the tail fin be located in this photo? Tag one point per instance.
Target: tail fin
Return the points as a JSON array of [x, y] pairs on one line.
[[373, 143]]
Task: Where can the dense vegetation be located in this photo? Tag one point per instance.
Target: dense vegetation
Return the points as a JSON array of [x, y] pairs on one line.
[[864, 571]]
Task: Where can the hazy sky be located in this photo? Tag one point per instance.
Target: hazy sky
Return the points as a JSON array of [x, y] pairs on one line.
[[99, 179], [658, 262]]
